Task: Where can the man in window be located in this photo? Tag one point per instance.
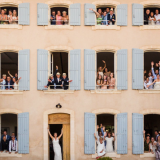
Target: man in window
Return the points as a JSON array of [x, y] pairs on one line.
[[58, 81], [107, 10], [4, 144], [7, 136], [146, 17], [53, 18], [3, 81], [157, 16], [9, 84], [111, 17], [65, 81], [105, 22], [156, 72], [13, 145]]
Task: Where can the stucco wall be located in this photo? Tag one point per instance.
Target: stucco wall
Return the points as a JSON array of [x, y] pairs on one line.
[[82, 37]]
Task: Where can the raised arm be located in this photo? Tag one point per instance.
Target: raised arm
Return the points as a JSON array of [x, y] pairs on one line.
[[152, 64], [97, 14], [50, 134], [104, 65], [61, 134], [18, 80], [55, 71], [10, 74], [95, 137], [144, 135], [113, 137]]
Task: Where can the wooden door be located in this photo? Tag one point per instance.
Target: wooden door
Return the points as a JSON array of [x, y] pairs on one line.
[[66, 141]]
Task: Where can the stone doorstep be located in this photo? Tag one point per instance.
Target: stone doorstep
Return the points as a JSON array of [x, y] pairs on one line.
[[147, 155], [4, 154], [111, 155]]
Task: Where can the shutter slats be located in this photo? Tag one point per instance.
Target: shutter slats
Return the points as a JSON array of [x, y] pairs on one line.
[[137, 68], [122, 129], [42, 69], [23, 133], [24, 69], [122, 70], [89, 70], [89, 129], [42, 14], [137, 14], [122, 14], [75, 69], [90, 18], [24, 14], [137, 134], [75, 14]]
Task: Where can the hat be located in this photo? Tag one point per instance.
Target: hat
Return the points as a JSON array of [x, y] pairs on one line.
[[64, 74], [58, 73], [111, 9]]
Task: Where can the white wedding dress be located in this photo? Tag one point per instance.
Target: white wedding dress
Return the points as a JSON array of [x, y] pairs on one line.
[[100, 147], [57, 149], [157, 86], [109, 146]]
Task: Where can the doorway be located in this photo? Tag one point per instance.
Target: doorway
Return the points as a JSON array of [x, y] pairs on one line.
[[56, 123]]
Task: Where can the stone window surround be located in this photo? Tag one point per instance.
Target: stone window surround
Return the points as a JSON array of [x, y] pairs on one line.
[[6, 111], [57, 3], [12, 3], [72, 132], [106, 3], [52, 49], [107, 49], [150, 49], [113, 112], [150, 3], [10, 49]]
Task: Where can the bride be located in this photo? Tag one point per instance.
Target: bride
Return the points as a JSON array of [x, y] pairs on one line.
[[56, 146], [156, 83]]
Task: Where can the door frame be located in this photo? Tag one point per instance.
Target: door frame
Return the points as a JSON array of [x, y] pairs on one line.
[[45, 132]]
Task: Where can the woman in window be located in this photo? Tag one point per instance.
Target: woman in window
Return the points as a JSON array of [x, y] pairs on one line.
[[152, 145], [100, 69], [99, 81], [146, 142], [58, 18], [3, 17], [98, 15], [65, 18], [15, 86], [109, 142], [112, 82], [10, 16], [14, 17], [105, 83], [152, 19]]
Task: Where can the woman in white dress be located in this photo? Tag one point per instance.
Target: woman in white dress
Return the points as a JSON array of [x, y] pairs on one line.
[[15, 86], [156, 83], [109, 141], [152, 19], [152, 146], [100, 147], [100, 69], [56, 146]]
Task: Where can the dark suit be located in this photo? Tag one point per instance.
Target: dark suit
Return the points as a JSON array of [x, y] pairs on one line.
[[51, 83], [4, 145], [111, 17], [58, 83], [146, 17], [10, 85], [8, 137], [65, 83]]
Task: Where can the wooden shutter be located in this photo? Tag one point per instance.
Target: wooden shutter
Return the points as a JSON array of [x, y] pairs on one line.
[[89, 70], [24, 69], [24, 14], [23, 133], [42, 69], [137, 68], [89, 130], [137, 14], [75, 14], [137, 134], [42, 14], [90, 17], [122, 70], [122, 135], [122, 14], [75, 69]]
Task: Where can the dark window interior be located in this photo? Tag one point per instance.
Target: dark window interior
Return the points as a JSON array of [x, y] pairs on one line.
[[9, 62], [9, 123], [148, 58], [151, 123], [60, 59], [61, 9], [104, 8], [10, 8], [55, 128]]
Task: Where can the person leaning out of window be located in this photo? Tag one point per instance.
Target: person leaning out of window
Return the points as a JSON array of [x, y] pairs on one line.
[[111, 17], [146, 17], [53, 18], [157, 17], [65, 18], [13, 145]]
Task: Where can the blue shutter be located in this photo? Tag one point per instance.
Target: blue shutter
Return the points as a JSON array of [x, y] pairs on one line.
[[42, 15], [122, 14], [90, 17], [24, 69], [75, 69], [42, 69], [122, 70], [89, 70], [122, 136], [137, 134], [24, 14], [137, 14], [23, 133], [89, 130], [137, 68], [75, 14]]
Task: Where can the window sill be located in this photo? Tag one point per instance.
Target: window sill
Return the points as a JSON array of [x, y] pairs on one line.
[[58, 27], [5, 26], [105, 91], [111, 155], [58, 91], [149, 91], [104, 27], [10, 92], [3, 154], [147, 155], [151, 27]]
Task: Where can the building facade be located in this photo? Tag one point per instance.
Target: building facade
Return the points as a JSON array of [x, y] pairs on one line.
[[34, 40]]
